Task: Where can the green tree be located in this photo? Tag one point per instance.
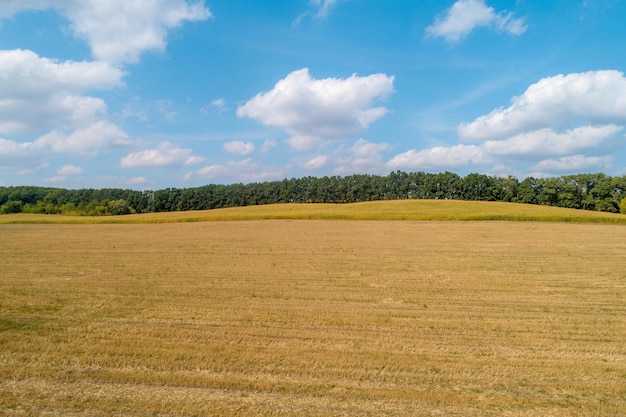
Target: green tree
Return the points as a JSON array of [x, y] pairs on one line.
[[480, 187], [11, 207], [622, 205], [527, 191], [118, 207]]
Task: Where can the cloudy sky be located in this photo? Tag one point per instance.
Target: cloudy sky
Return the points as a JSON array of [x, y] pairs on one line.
[[149, 94]]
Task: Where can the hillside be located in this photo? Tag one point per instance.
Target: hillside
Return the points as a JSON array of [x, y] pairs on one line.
[[376, 210]]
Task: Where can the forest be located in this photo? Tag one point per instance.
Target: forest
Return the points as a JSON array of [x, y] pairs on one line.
[[598, 192]]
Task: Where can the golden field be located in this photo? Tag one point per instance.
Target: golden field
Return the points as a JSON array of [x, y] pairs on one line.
[[313, 317]]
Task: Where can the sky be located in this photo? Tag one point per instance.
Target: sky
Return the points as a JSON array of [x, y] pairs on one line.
[[151, 94]]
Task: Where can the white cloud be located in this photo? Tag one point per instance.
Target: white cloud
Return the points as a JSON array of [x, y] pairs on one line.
[[559, 121], [319, 9], [69, 170], [63, 173], [194, 160], [165, 156], [217, 106], [220, 103], [56, 179], [268, 144], [23, 158], [439, 157], [322, 7], [245, 170], [136, 181], [368, 150], [39, 93], [546, 142], [116, 31], [11, 149], [106, 180], [46, 98], [9, 8], [316, 162], [164, 109], [559, 102], [87, 141], [574, 163], [363, 156], [466, 15], [238, 147], [316, 111]]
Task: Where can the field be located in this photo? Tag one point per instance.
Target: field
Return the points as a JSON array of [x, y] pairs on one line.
[[375, 210], [317, 317]]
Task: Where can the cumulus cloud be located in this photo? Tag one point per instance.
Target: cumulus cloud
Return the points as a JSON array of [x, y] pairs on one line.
[[316, 111], [22, 157], [566, 123], [466, 15], [546, 142], [562, 101], [45, 109], [245, 170], [38, 93], [439, 157], [118, 32], [10, 149], [87, 141], [238, 147], [51, 100], [165, 156]]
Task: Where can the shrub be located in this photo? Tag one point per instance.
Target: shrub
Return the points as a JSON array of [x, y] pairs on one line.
[[622, 205]]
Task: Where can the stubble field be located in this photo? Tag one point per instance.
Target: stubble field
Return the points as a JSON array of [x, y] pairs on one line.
[[313, 317]]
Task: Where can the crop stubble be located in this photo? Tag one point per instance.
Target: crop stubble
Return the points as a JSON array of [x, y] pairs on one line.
[[313, 317]]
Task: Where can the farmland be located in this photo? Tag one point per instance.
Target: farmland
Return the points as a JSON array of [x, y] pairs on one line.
[[313, 314]]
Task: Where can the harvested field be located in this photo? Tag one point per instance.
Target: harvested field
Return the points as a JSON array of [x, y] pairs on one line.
[[313, 317]]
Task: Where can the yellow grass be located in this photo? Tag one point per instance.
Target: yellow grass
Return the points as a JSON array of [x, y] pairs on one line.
[[376, 210], [313, 317]]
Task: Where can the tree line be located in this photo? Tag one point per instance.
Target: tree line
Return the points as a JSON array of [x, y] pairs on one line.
[[598, 192]]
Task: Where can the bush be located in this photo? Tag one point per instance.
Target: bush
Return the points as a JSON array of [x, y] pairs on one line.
[[622, 205]]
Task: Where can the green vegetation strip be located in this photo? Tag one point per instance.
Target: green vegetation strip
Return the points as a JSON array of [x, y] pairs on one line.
[[377, 210]]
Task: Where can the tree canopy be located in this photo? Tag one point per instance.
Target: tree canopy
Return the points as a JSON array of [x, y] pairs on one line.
[[581, 191]]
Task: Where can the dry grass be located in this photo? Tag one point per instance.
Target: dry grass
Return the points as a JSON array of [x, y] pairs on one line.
[[313, 317], [374, 210]]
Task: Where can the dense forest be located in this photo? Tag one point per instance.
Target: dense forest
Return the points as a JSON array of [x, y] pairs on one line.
[[582, 191]]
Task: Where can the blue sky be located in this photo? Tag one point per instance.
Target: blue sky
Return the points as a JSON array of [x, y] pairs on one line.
[[149, 94]]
